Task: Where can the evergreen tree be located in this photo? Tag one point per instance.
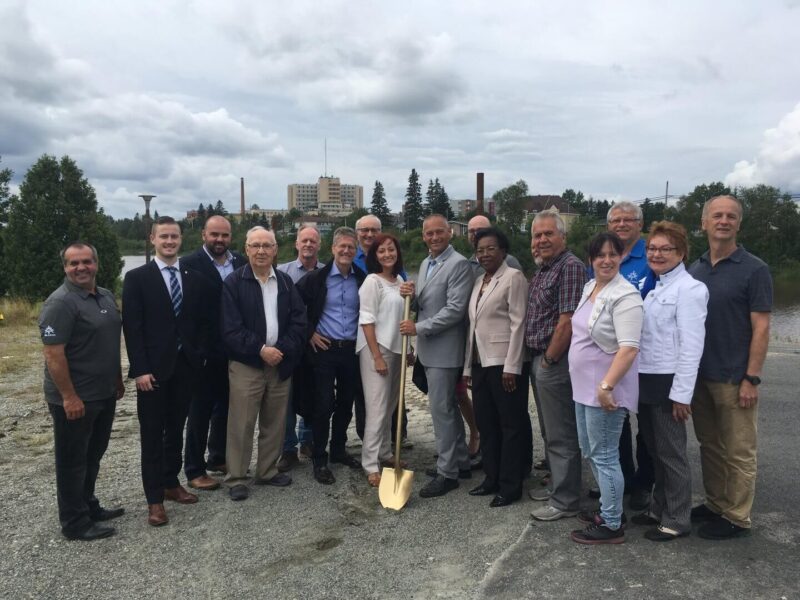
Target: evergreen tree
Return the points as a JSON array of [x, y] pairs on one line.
[[201, 213], [56, 206], [379, 206], [219, 208], [5, 180], [412, 210]]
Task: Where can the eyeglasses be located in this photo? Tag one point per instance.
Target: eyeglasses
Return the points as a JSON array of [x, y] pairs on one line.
[[623, 221], [258, 247], [368, 230], [486, 250], [660, 250]]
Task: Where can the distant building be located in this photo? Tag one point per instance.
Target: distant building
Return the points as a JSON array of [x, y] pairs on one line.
[[327, 196], [536, 204], [323, 224]]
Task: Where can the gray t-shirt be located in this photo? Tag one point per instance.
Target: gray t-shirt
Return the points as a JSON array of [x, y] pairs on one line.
[[89, 326], [737, 285]]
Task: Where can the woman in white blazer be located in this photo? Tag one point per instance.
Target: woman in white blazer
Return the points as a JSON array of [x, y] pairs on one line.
[[673, 336], [495, 364]]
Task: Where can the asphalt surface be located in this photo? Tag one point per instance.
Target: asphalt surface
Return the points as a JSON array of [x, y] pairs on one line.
[[314, 541]]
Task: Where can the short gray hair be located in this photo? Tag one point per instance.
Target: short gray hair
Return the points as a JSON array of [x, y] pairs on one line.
[[253, 230], [369, 216], [77, 245], [308, 226], [344, 232], [552, 214], [625, 206], [708, 202]]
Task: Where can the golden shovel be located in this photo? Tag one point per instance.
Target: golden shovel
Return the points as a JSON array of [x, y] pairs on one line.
[[396, 482]]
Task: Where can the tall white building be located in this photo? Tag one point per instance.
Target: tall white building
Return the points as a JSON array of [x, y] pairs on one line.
[[327, 196]]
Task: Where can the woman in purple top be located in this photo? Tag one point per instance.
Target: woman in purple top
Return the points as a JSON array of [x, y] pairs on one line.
[[602, 365]]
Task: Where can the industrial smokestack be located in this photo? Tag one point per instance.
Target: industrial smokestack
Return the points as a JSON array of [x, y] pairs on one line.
[[241, 195], [479, 195]]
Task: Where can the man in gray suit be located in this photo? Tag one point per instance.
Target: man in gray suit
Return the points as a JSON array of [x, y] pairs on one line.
[[445, 285]]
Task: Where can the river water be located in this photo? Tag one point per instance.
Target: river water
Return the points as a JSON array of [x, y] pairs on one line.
[[785, 316]]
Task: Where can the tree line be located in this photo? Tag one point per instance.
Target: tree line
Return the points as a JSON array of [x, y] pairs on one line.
[[57, 205]]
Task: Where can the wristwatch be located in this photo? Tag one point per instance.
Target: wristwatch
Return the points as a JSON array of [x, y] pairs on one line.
[[605, 387], [753, 379]]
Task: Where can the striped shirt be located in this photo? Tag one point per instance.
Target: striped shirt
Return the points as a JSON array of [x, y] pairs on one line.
[[555, 288]]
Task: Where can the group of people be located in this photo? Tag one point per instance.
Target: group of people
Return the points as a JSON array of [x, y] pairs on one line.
[[220, 343]]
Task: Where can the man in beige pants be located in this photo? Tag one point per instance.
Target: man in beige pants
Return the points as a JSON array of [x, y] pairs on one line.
[[263, 328]]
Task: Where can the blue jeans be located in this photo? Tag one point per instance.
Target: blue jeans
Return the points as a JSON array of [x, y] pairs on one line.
[[598, 436], [290, 441]]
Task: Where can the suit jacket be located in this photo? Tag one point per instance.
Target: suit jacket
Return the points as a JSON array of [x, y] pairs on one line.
[[497, 321], [200, 261], [441, 304], [244, 325], [152, 331]]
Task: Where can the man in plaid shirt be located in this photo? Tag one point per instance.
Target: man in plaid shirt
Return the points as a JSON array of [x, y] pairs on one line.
[[553, 296]]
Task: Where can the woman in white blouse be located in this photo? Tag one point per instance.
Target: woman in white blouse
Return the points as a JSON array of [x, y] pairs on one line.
[[378, 346], [673, 334]]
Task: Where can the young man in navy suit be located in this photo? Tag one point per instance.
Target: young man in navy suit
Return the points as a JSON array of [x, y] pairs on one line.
[[166, 326]]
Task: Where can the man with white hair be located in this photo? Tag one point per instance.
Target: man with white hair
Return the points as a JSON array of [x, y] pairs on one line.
[[553, 295], [263, 327]]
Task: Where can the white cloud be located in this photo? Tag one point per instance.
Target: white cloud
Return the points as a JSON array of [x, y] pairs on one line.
[[778, 159]]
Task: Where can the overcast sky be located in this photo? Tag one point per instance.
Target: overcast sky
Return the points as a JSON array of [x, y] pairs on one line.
[[182, 98]]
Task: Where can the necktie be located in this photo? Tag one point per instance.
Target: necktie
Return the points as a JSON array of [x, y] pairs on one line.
[[175, 290], [431, 265]]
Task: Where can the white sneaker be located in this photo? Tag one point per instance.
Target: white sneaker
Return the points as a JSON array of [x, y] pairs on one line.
[[550, 513], [541, 494]]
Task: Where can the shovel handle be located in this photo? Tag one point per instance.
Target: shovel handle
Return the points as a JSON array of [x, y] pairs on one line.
[[401, 400]]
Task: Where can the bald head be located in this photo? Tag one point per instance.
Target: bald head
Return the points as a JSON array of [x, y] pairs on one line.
[[217, 236], [367, 227], [475, 223]]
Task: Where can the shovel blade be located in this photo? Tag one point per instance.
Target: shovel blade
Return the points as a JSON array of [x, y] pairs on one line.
[[395, 487]]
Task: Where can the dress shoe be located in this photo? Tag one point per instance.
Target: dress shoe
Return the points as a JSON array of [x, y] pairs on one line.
[[106, 514], [462, 473], [721, 529], [306, 450], [287, 461], [180, 495], [702, 514], [279, 480], [640, 499], [483, 489], [239, 492], [499, 501], [223, 468], [156, 515], [438, 486], [346, 460], [323, 475], [204, 482], [94, 532]]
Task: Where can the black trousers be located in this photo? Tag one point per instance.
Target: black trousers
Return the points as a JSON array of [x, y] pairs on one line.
[[162, 417], [501, 418], [336, 378], [359, 408], [208, 408], [642, 474], [79, 446]]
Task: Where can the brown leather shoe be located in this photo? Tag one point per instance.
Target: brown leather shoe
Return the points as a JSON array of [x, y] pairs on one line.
[[204, 482], [180, 495], [156, 516]]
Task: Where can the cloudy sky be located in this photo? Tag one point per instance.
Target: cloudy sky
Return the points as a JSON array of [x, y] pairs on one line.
[[182, 98]]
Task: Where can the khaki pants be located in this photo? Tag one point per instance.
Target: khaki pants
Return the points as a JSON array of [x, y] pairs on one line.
[[255, 394], [381, 395], [727, 436]]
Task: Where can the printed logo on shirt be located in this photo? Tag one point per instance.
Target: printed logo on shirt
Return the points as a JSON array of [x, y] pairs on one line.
[[49, 332]]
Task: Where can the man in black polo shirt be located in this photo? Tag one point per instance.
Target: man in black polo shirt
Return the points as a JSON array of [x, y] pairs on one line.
[[725, 403], [80, 329]]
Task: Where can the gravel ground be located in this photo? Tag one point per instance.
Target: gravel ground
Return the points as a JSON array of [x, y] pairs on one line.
[[313, 541]]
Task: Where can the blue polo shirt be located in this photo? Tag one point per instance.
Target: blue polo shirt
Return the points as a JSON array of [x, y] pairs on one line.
[[339, 319]]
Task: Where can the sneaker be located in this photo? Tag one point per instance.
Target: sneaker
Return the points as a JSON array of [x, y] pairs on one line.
[[541, 494], [592, 517], [722, 529], [551, 513], [703, 514], [598, 534]]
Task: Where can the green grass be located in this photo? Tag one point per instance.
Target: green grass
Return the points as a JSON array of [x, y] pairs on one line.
[[19, 336]]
